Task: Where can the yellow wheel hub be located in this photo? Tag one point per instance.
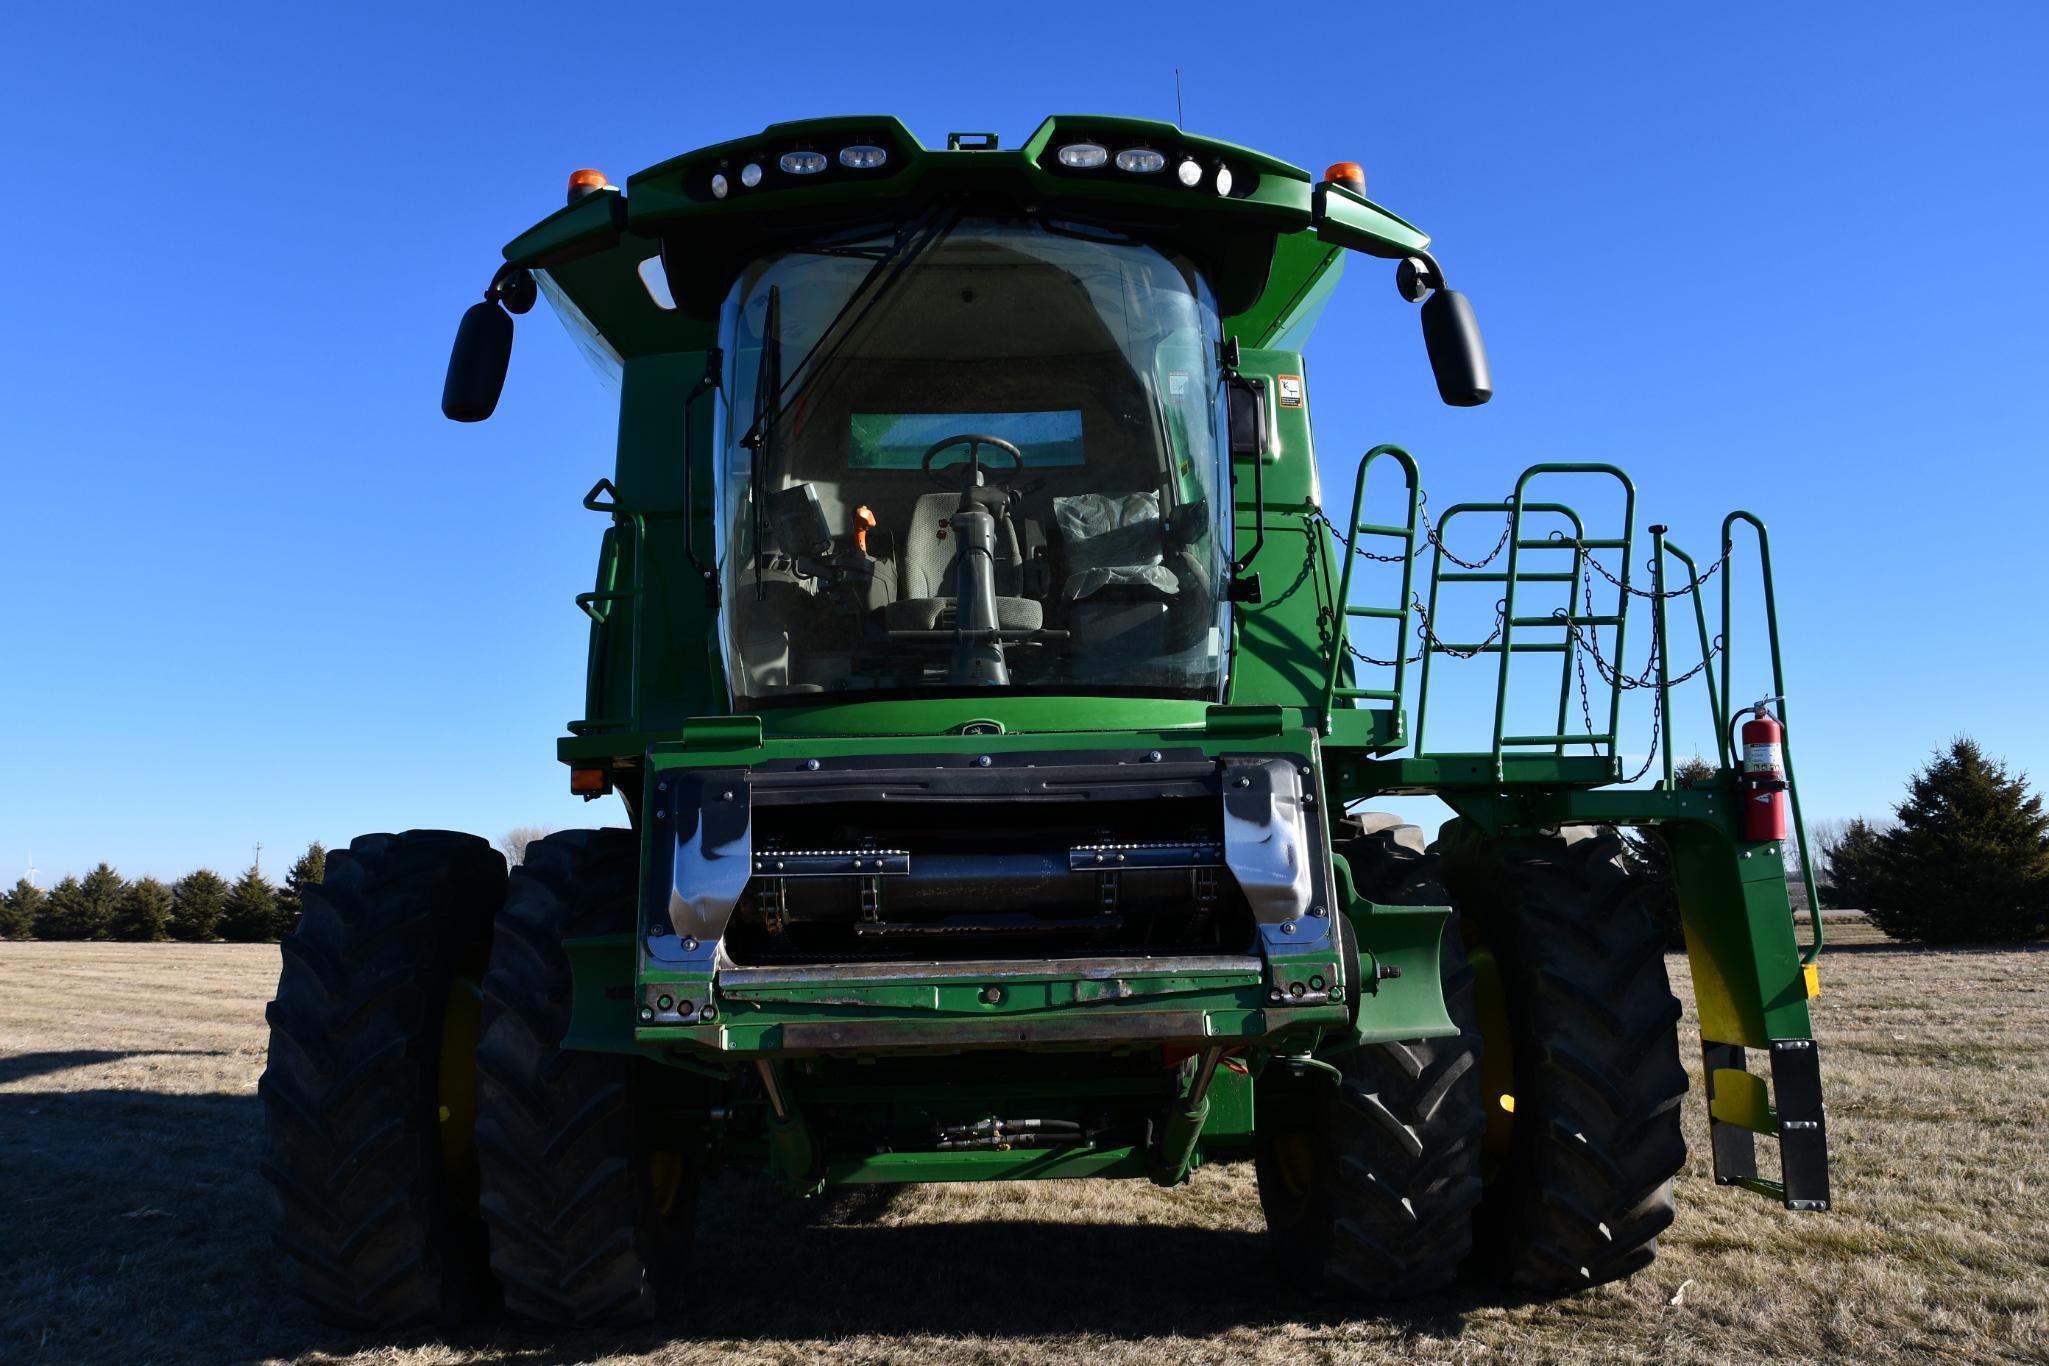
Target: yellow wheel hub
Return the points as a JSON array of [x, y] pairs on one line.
[[462, 1025], [1497, 1060]]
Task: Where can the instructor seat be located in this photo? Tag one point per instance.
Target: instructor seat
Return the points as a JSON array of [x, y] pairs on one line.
[[930, 555]]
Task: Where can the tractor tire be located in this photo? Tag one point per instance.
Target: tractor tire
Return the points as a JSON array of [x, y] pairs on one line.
[[580, 1233], [1374, 1179], [371, 1218], [1585, 1186]]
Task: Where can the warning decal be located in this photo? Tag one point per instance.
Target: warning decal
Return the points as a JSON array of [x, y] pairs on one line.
[[1291, 390]]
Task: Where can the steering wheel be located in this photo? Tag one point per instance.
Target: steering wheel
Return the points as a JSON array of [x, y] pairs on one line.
[[974, 441]]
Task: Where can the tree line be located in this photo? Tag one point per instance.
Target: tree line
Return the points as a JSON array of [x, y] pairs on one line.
[[198, 908], [1964, 858]]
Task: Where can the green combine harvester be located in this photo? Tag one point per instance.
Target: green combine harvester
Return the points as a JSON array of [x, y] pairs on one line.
[[991, 701]]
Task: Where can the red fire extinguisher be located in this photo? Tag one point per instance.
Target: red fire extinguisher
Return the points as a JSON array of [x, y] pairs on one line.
[[1763, 783]]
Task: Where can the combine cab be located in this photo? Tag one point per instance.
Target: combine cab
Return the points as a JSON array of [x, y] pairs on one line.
[[991, 699]]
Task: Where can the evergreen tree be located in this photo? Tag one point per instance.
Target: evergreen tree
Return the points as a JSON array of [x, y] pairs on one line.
[[308, 871], [198, 900], [103, 889], [19, 910], [60, 910], [1969, 859], [251, 913], [1854, 868], [82, 908], [144, 912]]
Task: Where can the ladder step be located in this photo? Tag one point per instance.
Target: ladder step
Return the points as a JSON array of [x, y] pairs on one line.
[[1591, 543], [1368, 694], [1607, 739], [1400, 533], [1532, 647], [1381, 613], [1560, 621]]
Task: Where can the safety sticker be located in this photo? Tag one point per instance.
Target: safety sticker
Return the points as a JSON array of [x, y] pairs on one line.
[[1177, 383], [1291, 390]]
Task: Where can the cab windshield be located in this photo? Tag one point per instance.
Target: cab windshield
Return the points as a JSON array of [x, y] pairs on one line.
[[967, 454]]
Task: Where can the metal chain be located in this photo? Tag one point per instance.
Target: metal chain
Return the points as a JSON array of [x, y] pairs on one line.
[[1588, 640], [1699, 580], [1587, 711], [1430, 537], [1364, 658], [1429, 637], [1430, 534], [1339, 537]]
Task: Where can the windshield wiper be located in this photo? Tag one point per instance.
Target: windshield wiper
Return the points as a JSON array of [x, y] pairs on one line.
[[912, 242], [760, 438]]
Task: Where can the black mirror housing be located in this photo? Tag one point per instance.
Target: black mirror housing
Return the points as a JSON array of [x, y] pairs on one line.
[[1247, 404], [1458, 358], [476, 365]]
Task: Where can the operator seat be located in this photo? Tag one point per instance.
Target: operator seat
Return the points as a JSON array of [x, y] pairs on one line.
[[931, 568]]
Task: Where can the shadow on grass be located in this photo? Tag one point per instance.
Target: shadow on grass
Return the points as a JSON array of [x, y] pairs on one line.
[[20, 1066], [1830, 949], [136, 1228]]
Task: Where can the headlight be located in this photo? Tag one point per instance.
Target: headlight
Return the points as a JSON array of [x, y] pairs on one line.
[[750, 174], [862, 157], [1141, 160], [802, 163], [1189, 172], [1083, 156], [719, 187], [1223, 180]]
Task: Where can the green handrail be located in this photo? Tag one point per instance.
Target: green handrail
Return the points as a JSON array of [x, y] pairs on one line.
[[1771, 620], [1433, 644], [1341, 627], [1518, 509], [597, 605], [1707, 649]]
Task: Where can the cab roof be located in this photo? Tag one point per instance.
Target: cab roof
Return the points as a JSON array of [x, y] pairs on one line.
[[1266, 231]]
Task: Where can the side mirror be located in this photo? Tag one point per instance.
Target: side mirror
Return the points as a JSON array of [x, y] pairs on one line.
[[1247, 405], [476, 366], [1457, 355]]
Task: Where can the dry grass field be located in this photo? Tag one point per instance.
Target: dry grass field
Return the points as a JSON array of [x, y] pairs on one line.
[[131, 1221]]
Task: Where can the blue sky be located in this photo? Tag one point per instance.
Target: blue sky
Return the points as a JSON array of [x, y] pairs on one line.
[[255, 588]]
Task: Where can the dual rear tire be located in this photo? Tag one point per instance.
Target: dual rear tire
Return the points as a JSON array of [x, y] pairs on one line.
[[1390, 1182], [376, 1224], [589, 1223], [1547, 1162], [385, 1212]]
